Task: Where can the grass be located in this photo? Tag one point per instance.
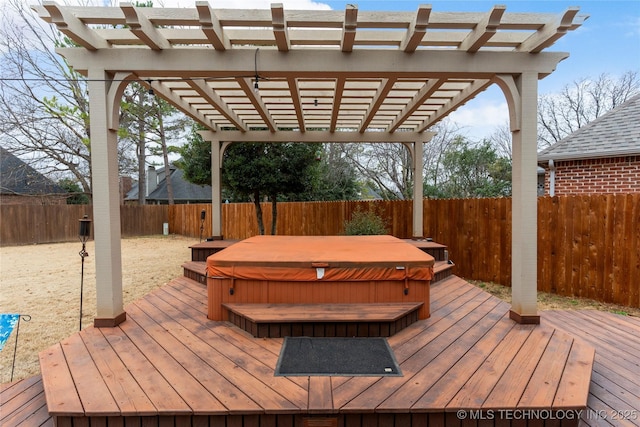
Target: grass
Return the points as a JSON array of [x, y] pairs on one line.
[[549, 301]]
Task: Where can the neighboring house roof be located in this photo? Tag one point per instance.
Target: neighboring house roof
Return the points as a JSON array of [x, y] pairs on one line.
[[616, 133], [18, 178], [183, 190]]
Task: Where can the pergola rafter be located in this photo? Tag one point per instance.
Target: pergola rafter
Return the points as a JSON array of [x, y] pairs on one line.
[[301, 76]]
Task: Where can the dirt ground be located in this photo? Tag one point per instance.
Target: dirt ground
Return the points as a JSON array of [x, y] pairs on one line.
[[43, 281]]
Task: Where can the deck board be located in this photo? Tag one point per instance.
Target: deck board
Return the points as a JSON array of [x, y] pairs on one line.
[[22, 403], [615, 383], [450, 384], [199, 355], [159, 390], [467, 354], [60, 390], [125, 390]]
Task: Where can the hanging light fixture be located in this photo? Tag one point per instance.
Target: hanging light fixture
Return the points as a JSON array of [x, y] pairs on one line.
[[151, 92], [256, 89]]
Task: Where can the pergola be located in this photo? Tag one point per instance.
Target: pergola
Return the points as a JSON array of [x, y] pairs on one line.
[[311, 76]]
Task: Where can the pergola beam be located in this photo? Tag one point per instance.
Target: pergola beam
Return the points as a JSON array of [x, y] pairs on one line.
[[337, 101], [247, 87], [319, 63], [349, 28], [417, 101], [297, 103], [211, 27], [168, 95], [376, 102], [73, 28], [484, 30], [454, 103], [549, 33], [280, 31], [143, 29], [317, 136], [417, 30], [215, 101]]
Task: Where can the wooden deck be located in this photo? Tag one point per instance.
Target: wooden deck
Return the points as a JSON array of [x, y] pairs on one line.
[[168, 363], [614, 386]]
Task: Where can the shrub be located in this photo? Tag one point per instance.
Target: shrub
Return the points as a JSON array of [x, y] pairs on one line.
[[365, 223]]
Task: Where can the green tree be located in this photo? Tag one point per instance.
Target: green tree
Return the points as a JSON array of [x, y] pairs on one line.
[[472, 171], [196, 158], [255, 171], [258, 171], [77, 195]]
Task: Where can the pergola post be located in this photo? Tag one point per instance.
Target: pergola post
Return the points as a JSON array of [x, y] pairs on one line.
[[418, 162], [106, 202], [522, 96], [216, 188]]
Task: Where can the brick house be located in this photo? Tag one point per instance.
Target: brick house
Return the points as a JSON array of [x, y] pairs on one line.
[[601, 157], [23, 185]]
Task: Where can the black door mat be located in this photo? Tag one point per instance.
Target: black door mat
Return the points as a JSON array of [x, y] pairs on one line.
[[321, 356]]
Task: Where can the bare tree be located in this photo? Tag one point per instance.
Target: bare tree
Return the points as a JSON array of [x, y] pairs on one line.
[[581, 102], [387, 168], [44, 104], [384, 167], [501, 140], [446, 132]]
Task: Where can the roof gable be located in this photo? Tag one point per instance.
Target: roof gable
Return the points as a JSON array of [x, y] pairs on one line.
[[183, 191], [616, 133], [17, 177]]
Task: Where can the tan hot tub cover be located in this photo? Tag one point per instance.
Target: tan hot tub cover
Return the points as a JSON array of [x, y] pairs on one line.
[[321, 258]]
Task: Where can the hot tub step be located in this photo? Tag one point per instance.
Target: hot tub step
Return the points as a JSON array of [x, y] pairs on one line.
[[196, 270], [323, 320]]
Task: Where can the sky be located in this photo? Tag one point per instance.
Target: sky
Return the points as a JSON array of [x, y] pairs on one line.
[[607, 42]]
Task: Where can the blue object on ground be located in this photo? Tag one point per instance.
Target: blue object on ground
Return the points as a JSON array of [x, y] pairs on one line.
[[7, 323]]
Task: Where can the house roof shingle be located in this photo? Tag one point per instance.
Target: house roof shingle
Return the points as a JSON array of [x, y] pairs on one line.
[[183, 190], [18, 178], [616, 133]]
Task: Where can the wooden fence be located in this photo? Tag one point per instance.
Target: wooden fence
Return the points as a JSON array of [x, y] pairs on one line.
[[35, 224], [588, 246]]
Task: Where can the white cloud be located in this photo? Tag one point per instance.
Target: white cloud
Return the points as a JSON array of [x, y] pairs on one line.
[[481, 116]]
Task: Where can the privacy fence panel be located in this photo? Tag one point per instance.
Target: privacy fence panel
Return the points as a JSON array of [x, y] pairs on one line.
[[35, 224]]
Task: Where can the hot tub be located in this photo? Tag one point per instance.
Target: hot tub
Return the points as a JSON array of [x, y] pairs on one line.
[[320, 270]]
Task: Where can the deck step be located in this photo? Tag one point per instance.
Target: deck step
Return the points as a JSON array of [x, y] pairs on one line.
[[323, 320], [196, 270], [442, 270], [200, 251], [436, 250]]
